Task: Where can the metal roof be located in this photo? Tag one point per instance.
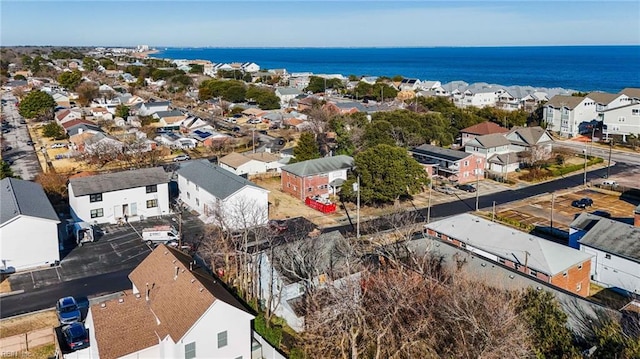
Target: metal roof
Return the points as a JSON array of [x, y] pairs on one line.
[[213, 179], [543, 255], [319, 165], [25, 198], [110, 182]]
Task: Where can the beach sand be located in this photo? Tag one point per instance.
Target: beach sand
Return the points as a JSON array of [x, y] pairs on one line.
[[142, 55]]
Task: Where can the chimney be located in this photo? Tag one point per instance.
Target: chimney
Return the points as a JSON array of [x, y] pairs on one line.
[[636, 216]]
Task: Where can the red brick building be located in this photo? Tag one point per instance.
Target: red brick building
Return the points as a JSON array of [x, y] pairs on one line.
[[550, 262], [456, 166], [319, 177]]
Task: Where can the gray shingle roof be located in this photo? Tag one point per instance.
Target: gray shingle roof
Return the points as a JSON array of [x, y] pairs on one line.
[[319, 165], [213, 179], [529, 135], [441, 153], [116, 181], [25, 198], [614, 237], [543, 255], [490, 141], [569, 102]]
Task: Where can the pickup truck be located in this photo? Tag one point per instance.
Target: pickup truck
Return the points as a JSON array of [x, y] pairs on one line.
[[160, 234]]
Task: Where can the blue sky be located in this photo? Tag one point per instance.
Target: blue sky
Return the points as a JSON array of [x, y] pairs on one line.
[[318, 23]]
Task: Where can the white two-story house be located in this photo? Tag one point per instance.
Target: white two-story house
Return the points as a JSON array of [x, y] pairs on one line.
[[222, 197], [176, 309], [120, 196], [623, 121]]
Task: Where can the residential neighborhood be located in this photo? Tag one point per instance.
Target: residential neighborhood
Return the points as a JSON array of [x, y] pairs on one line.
[[262, 213]]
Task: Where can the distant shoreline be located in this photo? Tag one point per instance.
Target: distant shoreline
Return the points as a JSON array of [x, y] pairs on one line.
[[145, 54]]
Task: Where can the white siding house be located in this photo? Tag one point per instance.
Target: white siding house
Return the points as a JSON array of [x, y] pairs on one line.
[[115, 197], [623, 121], [251, 163], [28, 226], [211, 322], [564, 114], [616, 249], [222, 197]]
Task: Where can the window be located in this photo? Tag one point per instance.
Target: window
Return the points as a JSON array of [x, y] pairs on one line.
[[152, 203], [152, 188], [188, 195], [222, 339], [579, 266], [578, 287], [98, 212], [190, 351], [197, 188], [635, 112], [466, 163], [95, 197], [309, 189], [607, 256], [533, 273], [564, 274], [197, 201]]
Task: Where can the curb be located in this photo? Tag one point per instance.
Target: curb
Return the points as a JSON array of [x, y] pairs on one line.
[[2, 295], [27, 314]]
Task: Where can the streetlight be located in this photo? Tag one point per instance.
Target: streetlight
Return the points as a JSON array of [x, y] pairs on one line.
[[429, 204], [585, 165]]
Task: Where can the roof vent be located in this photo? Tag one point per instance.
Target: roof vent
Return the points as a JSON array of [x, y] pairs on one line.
[[166, 252], [201, 289], [103, 305], [121, 300], [174, 261], [138, 295], [193, 280]]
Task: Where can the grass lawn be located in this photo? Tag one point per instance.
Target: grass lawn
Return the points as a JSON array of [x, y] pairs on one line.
[[27, 323]]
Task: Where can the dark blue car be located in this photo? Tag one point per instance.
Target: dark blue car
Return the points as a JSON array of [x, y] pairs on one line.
[[76, 336], [67, 310]]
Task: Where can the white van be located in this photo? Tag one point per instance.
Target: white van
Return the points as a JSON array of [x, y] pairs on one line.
[[160, 234]]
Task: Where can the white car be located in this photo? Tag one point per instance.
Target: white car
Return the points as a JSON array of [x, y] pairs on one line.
[[59, 145], [181, 158], [609, 183]]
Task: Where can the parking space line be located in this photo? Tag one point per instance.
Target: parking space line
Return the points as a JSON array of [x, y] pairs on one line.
[[58, 273], [137, 255], [115, 250], [32, 279]]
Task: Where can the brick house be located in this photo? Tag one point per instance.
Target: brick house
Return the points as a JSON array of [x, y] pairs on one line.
[[319, 177], [547, 261], [456, 166]]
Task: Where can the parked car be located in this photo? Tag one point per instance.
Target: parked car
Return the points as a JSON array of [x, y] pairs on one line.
[[30, 143], [466, 187], [23, 122], [59, 145], [6, 148], [76, 336], [67, 310], [445, 190], [254, 121], [609, 183], [582, 202], [181, 158], [603, 214], [277, 225]]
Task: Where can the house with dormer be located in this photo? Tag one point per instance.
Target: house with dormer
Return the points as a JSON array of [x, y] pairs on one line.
[[409, 85], [175, 309], [534, 140]]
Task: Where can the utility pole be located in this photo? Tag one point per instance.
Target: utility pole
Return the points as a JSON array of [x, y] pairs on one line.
[[429, 204], [609, 161], [358, 210], [253, 141], [593, 132], [477, 186], [493, 212], [585, 166], [553, 202]]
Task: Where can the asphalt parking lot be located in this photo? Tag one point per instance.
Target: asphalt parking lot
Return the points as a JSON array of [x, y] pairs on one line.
[[537, 211], [120, 248]]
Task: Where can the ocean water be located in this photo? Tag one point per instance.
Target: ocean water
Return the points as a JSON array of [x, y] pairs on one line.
[[582, 68]]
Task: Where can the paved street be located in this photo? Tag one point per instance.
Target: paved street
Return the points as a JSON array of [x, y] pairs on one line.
[[25, 162]]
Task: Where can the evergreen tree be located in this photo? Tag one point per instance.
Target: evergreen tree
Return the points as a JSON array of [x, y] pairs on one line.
[[36, 103], [307, 148]]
